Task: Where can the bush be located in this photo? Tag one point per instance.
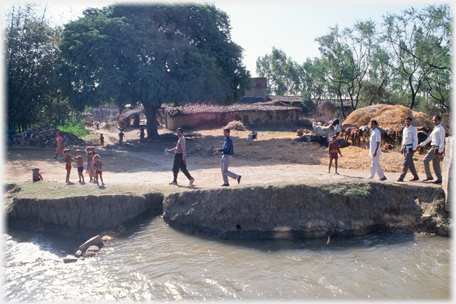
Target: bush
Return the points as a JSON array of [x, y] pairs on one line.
[[74, 127]]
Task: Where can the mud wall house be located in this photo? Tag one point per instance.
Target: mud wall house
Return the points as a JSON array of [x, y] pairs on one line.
[[197, 116]]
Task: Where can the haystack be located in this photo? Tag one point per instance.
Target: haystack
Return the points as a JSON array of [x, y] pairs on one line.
[[235, 125], [326, 108], [388, 116]]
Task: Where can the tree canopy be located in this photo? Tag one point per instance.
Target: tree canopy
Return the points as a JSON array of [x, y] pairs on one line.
[[151, 54]]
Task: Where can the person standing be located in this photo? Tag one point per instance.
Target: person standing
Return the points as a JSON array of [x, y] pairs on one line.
[[437, 139], [227, 152], [180, 158], [59, 142], [409, 143], [333, 149], [121, 136], [375, 151]]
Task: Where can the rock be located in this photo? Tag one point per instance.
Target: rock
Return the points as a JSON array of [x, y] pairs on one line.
[[91, 251], [96, 240], [78, 253], [70, 259]]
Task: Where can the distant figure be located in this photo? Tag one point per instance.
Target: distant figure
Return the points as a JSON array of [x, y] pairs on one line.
[[375, 151], [180, 161], [333, 149], [437, 139], [227, 151], [408, 148], [141, 135], [97, 125], [59, 142], [121, 136], [80, 163], [98, 169], [101, 140], [68, 160], [252, 136], [36, 175]]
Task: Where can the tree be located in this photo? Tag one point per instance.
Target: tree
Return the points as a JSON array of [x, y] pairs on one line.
[[31, 54], [420, 43], [152, 54]]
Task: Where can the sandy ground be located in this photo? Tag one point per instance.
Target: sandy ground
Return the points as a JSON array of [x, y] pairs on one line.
[[271, 160]]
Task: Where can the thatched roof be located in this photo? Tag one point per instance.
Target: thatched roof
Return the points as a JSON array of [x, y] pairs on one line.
[[239, 107]]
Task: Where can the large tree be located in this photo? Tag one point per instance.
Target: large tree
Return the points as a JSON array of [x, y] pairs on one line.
[[152, 54]]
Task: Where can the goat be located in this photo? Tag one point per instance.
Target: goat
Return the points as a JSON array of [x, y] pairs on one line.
[[299, 132], [252, 136]]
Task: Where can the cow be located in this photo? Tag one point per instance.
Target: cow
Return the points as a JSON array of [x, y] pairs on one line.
[[355, 136], [365, 133], [390, 136], [422, 137], [399, 131], [328, 131]]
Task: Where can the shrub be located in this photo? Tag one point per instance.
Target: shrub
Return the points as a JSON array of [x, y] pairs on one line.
[[74, 127]]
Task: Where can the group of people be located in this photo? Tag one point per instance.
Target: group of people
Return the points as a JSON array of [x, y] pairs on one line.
[[180, 158], [408, 148], [94, 165]]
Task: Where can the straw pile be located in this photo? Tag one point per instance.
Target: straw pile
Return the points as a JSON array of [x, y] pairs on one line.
[[388, 116], [235, 125]]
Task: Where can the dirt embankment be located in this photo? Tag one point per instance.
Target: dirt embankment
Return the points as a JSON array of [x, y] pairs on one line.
[[307, 211]]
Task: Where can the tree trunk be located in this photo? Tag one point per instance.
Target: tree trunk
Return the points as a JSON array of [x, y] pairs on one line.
[[151, 116]]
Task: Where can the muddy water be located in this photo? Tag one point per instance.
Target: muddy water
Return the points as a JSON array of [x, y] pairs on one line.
[[156, 262]]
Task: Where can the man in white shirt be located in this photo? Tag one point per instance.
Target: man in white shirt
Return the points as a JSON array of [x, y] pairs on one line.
[[409, 143], [437, 139], [375, 151]]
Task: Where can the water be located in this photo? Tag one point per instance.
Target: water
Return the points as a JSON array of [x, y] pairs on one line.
[[156, 262]]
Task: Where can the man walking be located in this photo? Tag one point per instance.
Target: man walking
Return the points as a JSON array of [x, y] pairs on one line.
[[227, 151], [180, 161], [437, 139], [375, 151], [409, 143]]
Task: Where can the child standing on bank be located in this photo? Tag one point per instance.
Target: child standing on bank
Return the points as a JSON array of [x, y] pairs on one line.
[[90, 166], [80, 163], [98, 169], [333, 149], [68, 160], [102, 140]]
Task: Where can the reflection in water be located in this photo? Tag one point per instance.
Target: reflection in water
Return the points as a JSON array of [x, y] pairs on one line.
[[156, 262]]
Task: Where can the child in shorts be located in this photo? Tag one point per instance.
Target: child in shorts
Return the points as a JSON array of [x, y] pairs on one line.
[[68, 160], [333, 149], [36, 175], [98, 169], [80, 163]]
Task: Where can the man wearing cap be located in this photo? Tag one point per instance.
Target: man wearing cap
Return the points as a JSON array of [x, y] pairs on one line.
[[437, 139]]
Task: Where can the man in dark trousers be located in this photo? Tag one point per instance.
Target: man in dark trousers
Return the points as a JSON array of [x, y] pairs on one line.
[[180, 161], [227, 151]]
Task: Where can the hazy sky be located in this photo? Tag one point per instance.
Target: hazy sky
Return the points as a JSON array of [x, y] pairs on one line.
[[257, 26]]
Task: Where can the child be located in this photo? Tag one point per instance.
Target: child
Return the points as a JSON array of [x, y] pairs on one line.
[[101, 140], [36, 175], [333, 148], [80, 163], [121, 136], [59, 143], [93, 150], [141, 135], [68, 160], [90, 166], [98, 169]]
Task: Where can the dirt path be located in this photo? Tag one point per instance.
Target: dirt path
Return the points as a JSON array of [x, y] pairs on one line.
[[271, 160]]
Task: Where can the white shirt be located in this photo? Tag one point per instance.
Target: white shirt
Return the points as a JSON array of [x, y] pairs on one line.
[[438, 138], [410, 136], [375, 138]]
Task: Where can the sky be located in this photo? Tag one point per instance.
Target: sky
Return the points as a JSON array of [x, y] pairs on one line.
[[258, 26]]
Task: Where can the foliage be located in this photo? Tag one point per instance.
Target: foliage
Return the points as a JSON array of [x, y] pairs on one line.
[[74, 127], [151, 54], [31, 54]]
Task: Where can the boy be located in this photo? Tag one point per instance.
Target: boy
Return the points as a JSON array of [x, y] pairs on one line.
[[90, 165], [101, 140], [333, 149], [68, 160], [36, 175], [80, 163]]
